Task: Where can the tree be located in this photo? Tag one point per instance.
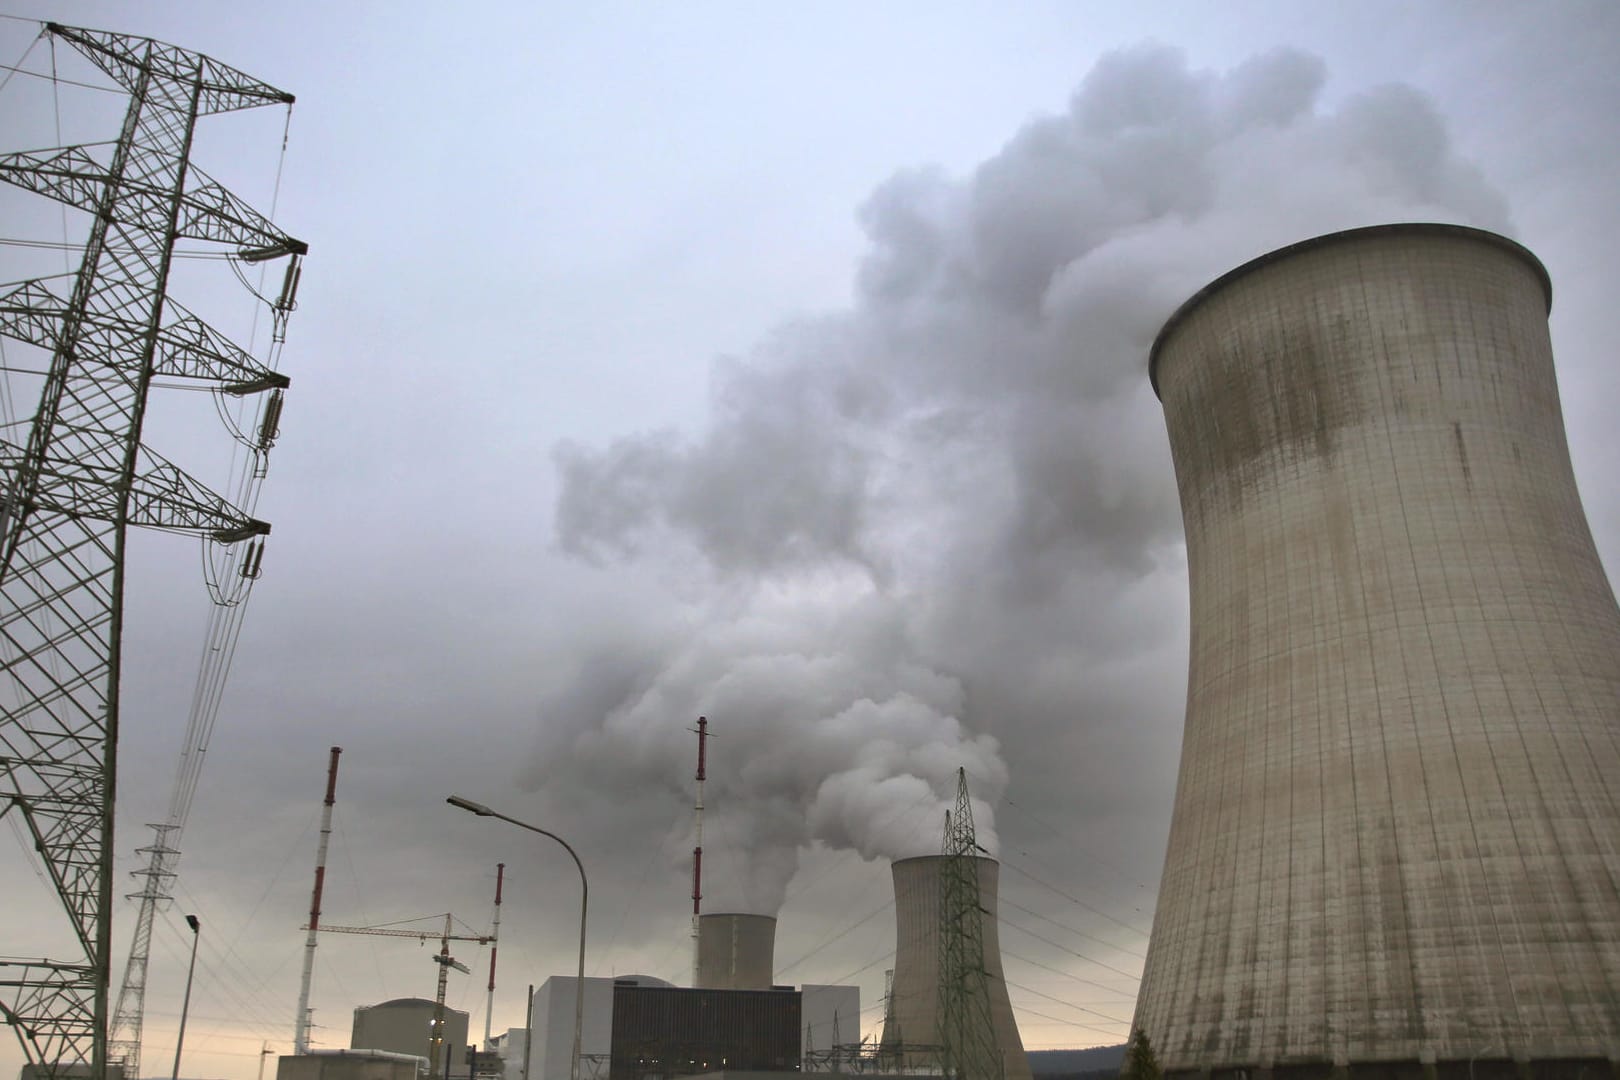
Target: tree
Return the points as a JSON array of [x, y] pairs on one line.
[[1140, 1064]]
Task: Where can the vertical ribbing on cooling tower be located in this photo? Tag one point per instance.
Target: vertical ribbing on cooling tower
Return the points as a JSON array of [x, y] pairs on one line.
[[1395, 835], [915, 996]]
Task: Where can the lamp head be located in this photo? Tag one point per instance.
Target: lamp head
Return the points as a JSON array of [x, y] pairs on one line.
[[193, 922], [467, 804]]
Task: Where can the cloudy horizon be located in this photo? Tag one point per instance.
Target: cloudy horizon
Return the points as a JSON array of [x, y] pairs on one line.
[[788, 370]]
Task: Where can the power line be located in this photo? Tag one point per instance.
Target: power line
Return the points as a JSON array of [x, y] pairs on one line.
[[885, 906], [62, 245], [59, 80], [1072, 952], [1075, 899], [1090, 854], [1070, 1005], [1060, 971], [1078, 933]]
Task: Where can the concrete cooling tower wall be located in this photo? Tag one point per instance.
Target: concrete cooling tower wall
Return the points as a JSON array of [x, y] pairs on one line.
[[736, 952], [915, 1005], [1396, 841]]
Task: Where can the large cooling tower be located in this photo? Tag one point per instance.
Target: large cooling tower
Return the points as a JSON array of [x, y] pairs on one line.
[[736, 952], [915, 1002], [1395, 840]]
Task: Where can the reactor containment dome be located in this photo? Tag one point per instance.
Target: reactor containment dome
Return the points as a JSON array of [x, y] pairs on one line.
[[1396, 839]]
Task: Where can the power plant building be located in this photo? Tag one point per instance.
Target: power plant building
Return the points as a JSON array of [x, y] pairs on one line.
[[684, 1031], [1395, 846], [405, 1026], [661, 1032], [915, 997], [553, 1024], [736, 951], [831, 1017]]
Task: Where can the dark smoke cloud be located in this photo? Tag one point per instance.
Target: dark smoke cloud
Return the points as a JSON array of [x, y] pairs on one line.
[[940, 528]]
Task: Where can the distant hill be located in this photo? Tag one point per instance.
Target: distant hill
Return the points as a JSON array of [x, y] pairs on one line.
[[1077, 1064]]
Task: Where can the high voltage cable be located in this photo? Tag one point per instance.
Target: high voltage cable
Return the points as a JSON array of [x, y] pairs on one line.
[[1075, 899], [231, 974], [254, 1014], [63, 245], [1087, 852], [228, 952], [1060, 1020], [844, 979], [885, 906], [11, 69], [1059, 971], [1078, 933], [1072, 952], [55, 79], [1069, 1005], [56, 110]]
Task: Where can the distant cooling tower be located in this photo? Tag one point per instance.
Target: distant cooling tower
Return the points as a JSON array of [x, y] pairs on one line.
[[736, 952], [914, 1001], [1396, 840]]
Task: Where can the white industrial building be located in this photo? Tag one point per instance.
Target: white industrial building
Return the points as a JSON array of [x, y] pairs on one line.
[[553, 1025]]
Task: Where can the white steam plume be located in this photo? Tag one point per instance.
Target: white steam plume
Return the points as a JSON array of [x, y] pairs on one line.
[[940, 528]]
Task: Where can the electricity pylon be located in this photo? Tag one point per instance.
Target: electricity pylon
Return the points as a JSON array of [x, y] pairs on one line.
[[69, 494], [967, 1037]]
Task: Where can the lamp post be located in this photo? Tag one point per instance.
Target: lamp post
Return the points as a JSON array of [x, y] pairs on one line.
[[584, 902], [180, 1040]]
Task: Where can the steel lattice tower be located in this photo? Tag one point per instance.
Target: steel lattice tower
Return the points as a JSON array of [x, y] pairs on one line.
[[83, 477], [967, 1034]]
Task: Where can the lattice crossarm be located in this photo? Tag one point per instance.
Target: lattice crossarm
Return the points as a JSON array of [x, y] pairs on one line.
[[224, 88], [163, 496], [31, 312], [67, 174], [189, 348], [210, 212]]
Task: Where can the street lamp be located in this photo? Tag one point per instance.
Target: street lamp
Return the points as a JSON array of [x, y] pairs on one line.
[[180, 1040], [584, 902]]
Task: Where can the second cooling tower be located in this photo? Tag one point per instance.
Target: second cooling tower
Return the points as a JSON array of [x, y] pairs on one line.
[[736, 952], [1396, 840], [915, 1003]]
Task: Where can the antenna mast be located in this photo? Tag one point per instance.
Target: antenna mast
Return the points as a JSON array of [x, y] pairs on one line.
[[494, 935], [697, 852], [301, 1024]]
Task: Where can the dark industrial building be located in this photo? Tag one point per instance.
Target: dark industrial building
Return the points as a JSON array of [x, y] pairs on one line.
[[668, 1031]]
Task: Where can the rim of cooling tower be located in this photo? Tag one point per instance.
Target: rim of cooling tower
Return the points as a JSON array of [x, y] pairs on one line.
[[1401, 228]]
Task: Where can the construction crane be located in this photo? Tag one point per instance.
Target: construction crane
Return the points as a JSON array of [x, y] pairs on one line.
[[443, 959]]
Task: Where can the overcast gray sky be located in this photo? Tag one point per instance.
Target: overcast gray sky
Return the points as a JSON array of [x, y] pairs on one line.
[[780, 363]]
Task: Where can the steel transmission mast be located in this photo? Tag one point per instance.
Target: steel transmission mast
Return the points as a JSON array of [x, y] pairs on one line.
[[68, 495], [968, 1046]]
